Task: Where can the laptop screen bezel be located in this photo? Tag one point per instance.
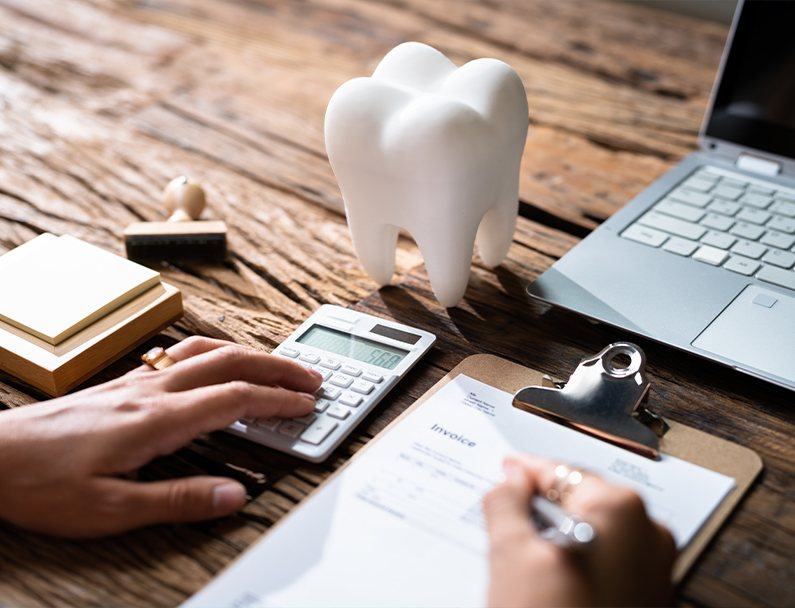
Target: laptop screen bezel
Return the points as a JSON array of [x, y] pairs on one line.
[[741, 131]]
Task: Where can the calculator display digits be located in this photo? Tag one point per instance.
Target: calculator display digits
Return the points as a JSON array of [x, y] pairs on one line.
[[361, 349], [360, 357]]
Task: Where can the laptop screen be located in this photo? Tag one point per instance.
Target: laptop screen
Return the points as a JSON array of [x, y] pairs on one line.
[[755, 102]]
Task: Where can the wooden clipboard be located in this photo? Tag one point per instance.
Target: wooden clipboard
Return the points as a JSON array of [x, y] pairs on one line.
[[735, 461], [742, 464]]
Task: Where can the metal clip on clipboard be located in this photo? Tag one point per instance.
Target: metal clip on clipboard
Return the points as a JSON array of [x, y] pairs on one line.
[[603, 400]]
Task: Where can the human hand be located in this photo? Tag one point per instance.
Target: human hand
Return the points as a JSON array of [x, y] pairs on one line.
[[63, 459], [629, 563]]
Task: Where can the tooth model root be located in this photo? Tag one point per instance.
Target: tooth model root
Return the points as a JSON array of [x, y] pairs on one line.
[[375, 246], [495, 233], [433, 149], [448, 255]]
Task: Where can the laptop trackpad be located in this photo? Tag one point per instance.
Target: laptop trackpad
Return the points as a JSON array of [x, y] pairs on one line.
[[757, 330]]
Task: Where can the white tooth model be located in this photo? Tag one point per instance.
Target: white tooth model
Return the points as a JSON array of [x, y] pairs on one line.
[[435, 150]]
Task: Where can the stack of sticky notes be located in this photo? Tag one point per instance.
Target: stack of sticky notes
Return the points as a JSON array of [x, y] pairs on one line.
[[68, 308]]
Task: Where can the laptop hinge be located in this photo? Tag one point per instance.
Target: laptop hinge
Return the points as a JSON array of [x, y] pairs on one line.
[[759, 165]]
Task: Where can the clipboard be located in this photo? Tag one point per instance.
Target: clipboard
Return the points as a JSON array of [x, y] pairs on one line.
[[241, 580], [687, 443]]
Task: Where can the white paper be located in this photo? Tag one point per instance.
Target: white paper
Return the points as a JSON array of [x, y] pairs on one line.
[[403, 526]]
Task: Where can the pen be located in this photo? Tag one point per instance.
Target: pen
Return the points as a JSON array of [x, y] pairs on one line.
[[557, 526]]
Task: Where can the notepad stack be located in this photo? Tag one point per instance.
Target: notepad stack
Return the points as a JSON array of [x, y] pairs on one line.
[[68, 309]]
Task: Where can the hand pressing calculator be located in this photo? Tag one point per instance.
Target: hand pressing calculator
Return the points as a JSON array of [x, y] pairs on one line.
[[361, 357]]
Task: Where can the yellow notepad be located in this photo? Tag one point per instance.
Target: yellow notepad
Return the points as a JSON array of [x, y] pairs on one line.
[[52, 287]]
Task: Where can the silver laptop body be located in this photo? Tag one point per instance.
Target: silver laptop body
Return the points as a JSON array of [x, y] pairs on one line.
[[704, 259]]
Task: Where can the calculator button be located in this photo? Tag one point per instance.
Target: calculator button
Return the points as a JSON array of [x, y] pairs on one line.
[[310, 358], [285, 351], [341, 380], [351, 399], [370, 377], [360, 386], [268, 424], [321, 405], [330, 393], [330, 363], [318, 431], [305, 419], [291, 428], [351, 371], [325, 373], [338, 411]]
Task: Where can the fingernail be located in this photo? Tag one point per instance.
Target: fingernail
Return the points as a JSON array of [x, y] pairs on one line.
[[308, 397], [228, 497], [314, 373]]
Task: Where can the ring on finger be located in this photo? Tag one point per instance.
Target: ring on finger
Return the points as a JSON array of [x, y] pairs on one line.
[[157, 358], [566, 479]]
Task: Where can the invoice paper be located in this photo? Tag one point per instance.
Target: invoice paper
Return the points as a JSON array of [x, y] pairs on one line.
[[403, 526]]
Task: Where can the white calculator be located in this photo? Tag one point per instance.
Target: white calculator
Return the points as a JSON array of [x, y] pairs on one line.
[[361, 357]]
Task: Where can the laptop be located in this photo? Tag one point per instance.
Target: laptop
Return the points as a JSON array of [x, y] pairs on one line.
[[704, 259]]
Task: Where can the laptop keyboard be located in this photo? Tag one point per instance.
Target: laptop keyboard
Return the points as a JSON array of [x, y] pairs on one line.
[[722, 218]]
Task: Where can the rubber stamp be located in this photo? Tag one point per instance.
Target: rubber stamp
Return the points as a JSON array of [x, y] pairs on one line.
[[183, 236]]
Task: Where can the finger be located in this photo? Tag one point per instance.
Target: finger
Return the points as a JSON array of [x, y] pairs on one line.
[[232, 362], [126, 505], [185, 415], [507, 507], [187, 348], [580, 499], [195, 345], [172, 420]]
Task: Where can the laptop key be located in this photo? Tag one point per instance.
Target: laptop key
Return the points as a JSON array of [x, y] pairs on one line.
[[680, 210], [782, 259], [699, 183], [647, 236], [783, 208], [749, 249], [777, 276], [742, 265], [759, 189], [728, 192], [710, 255], [778, 239], [755, 199], [752, 215], [747, 231], [724, 207], [733, 183], [666, 223], [691, 197], [721, 240], [782, 224], [680, 246], [717, 222]]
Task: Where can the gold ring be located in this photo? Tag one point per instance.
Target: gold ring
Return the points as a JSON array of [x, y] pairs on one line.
[[157, 358], [565, 480]]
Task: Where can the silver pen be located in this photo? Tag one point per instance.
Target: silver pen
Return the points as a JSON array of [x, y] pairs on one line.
[[558, 526]]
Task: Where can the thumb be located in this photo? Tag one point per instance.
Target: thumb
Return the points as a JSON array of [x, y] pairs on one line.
[[507, 506], [178, 500]]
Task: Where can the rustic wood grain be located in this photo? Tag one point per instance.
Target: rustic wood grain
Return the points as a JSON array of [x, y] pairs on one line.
[[103, 101]]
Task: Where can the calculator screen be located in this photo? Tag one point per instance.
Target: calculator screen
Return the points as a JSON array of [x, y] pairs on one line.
[[361, 349]]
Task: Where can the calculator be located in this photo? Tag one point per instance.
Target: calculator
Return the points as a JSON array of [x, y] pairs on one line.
[[361, 358]]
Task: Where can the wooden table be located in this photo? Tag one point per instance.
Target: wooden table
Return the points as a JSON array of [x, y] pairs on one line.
[[103, 102]]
